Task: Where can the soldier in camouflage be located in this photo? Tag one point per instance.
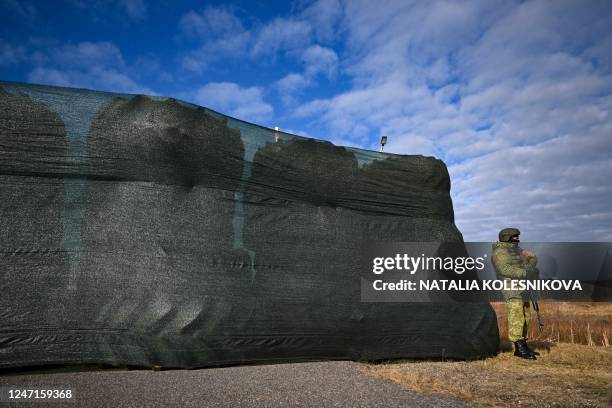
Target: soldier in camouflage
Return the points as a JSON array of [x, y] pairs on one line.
[[512, 262]]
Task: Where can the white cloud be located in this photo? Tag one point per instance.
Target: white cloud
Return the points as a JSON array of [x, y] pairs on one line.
[[87, 54], [86, 64], [50, 77], [281, 34], [317, 61], [556, 190], [311, 108], [103, 79], [324, 17], [220, 33], [134, 8], [215, 50], [10, 54], [223, 36], [516, 98], [211, 22], [320, 60], [410, 143], [231, 99], [290, 85]]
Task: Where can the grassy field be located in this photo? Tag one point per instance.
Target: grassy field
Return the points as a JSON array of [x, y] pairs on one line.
[[574, 370], [588, 323]]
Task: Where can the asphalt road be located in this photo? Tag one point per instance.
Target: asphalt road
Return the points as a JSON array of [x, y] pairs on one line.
[[318, 384]]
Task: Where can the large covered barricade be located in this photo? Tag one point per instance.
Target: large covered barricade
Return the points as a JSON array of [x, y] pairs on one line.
[[143, 231]]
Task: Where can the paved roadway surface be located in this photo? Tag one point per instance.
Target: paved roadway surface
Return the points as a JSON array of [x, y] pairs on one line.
[[318, 384]]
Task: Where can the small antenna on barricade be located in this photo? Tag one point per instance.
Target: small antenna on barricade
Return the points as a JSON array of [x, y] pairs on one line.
[[383, 142]]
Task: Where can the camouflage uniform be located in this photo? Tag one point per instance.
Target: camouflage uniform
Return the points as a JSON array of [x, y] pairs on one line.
[[510, 263]]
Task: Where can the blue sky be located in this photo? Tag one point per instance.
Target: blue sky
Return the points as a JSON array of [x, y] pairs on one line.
[[515, 97]]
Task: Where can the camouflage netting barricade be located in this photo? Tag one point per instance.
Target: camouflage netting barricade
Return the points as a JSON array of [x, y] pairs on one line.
[[146, 231]]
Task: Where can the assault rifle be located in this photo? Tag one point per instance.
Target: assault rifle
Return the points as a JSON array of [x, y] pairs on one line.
[[536, 307], [533, 297]]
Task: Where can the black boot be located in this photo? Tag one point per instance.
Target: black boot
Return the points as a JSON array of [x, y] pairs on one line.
[[529, 350], [521, 350]]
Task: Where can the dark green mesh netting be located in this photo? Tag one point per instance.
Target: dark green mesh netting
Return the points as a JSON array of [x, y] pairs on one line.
[[144, 231]]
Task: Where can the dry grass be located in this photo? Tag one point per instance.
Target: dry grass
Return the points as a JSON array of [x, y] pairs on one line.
[[565, 376], [567, 322], [574, 370]]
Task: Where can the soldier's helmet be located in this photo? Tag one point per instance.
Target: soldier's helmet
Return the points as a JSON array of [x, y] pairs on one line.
[[507, 233]]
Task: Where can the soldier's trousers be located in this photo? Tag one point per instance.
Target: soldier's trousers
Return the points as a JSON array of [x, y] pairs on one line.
[[519, 316]]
